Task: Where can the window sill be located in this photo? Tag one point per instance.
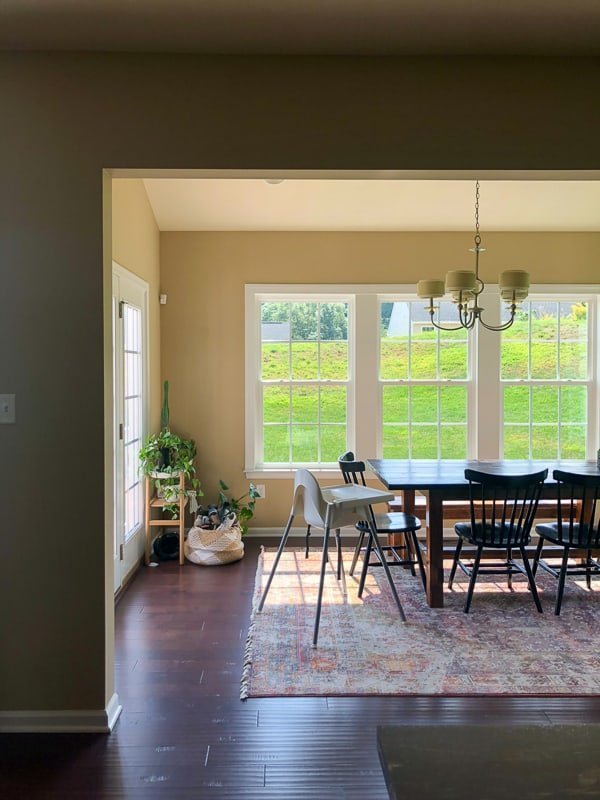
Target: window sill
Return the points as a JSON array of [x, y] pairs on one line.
[[289, 473]]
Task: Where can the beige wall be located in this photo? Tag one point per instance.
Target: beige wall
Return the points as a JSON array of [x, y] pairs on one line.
[[203, 323], [66, 117], [136, 246]]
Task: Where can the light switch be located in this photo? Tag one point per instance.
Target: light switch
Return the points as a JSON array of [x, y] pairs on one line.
[[7, 408]]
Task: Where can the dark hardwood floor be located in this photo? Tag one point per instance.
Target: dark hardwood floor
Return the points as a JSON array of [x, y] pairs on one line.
[[184, 733]]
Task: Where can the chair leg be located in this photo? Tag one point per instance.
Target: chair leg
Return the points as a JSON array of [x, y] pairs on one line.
[[357, 550], [338, 541], [419, 556], [385, 566], [509, 574], [408, 550], [561, 581], [455, 562], [321, 584], [531, 579], [307, 551], [365, 566], [588, 570], [282, 544], [538, 555], [473, 580]]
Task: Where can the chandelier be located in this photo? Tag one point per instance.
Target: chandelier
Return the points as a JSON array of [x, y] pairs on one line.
[[465, 286]]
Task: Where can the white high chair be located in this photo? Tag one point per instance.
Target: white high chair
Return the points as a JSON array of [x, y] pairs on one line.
[[332, 508]]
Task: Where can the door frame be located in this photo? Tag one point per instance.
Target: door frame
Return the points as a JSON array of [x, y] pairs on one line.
[[127, 554]]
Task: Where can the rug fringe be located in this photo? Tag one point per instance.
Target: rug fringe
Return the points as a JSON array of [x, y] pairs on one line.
[[247, 662]]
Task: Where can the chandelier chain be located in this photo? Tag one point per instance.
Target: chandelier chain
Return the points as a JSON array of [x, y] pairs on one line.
[[477, 234]]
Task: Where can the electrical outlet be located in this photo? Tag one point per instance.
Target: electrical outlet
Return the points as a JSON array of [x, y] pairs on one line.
[[260, 488], [7, 408]]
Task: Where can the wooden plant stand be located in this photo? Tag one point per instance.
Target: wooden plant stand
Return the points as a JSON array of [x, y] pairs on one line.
[[152, 501]]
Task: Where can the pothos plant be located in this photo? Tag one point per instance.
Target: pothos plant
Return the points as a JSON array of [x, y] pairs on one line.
[[163, 457], [243, 506]]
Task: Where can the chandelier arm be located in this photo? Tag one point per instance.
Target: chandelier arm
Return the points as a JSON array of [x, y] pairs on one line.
[[505, 325], [442, 327], [467, 318]]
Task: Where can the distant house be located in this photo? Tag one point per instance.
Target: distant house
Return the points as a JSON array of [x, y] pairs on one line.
[[275, 331], [417, 317]]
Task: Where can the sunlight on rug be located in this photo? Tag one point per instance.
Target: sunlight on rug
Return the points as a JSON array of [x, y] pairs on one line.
[[502, 647]]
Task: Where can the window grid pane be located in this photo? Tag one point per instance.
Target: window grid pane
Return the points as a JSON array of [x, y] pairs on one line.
[[424, 378], [546, 351], [305, 380]]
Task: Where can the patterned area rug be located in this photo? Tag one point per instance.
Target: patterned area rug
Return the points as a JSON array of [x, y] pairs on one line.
[[502, 647]]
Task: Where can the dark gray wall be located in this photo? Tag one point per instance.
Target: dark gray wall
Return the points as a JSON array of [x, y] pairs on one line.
[[63, 118]]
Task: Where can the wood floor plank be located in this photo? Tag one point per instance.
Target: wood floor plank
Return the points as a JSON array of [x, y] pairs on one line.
[[184, 733]]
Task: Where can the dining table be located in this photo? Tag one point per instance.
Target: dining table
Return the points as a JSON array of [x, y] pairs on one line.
[[444, 480]]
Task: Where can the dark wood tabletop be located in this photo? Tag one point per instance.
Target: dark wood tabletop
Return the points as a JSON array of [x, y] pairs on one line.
[[407, 474]]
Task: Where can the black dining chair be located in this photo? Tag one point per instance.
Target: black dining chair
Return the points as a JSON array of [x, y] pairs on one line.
[[503, 509], [576, 528], [390, 523]]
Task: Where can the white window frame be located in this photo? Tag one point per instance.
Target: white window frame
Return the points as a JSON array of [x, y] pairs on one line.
[[254, 296], [557, 294], [469, 382], [364, 433]]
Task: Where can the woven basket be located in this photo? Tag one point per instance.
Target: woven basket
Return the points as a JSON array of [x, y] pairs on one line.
[[212, 548]]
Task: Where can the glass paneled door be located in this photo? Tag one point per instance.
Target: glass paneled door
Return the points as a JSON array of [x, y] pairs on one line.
[[130, 297]]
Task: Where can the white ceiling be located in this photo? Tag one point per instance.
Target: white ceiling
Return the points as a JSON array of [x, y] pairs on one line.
[[304, 26], [373, 205]]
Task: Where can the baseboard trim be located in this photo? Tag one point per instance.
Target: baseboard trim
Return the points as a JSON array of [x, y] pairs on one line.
[[102, 721], [275, 533]]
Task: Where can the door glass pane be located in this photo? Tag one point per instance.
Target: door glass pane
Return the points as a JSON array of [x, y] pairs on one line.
[[132, 421]]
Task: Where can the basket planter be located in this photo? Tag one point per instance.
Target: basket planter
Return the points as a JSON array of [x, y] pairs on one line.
[[212, 548]]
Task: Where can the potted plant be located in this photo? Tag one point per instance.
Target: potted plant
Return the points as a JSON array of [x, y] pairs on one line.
[[181, 456], [243, 507], [164, 456]]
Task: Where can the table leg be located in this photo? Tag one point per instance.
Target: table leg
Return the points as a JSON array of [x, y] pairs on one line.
[[408, 506], [435, 550], [408, 501]]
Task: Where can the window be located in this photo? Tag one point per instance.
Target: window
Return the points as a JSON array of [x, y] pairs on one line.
[[304, 380], [546, 380], [424, 379], [335, 368]]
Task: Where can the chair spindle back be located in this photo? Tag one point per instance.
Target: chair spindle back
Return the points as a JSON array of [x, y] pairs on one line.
[[503, 507], [352, 471], [578, 523]]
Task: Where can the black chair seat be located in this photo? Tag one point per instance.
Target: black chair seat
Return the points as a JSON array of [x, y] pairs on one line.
[[500, 536], [578, 536], [394, 522]]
